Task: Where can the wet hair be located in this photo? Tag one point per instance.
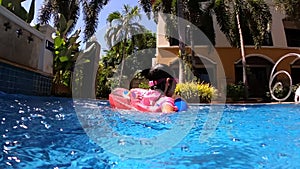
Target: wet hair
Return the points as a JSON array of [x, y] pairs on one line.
[[158, 72]]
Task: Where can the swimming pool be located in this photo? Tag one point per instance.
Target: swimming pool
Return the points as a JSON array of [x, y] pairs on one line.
[[49, 132]]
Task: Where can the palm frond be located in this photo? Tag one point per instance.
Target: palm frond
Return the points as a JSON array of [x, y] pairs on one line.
[[255, 20], [226, 19], [113, 16], [259, 20], [290, 8], [45, 12], [91, 11], [146, 6]]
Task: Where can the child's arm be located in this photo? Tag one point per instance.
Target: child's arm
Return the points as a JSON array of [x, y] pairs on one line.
[[167, 108]]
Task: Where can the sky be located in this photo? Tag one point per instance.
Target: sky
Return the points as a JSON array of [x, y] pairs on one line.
[[113, 5]]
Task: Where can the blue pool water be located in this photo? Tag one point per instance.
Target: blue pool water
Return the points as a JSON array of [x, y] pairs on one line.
[[49, 132]]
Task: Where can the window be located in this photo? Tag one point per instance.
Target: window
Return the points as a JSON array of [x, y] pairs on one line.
[[258, 72], [173, 41], [248, 40], [292, 37]]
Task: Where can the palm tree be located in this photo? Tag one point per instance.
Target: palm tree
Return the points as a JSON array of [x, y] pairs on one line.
[[235, 16], [71, 10], [181, 35], [291, 8], [195, 11], [122, 27]]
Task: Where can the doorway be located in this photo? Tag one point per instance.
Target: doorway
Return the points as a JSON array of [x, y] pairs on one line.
[[258, 71]]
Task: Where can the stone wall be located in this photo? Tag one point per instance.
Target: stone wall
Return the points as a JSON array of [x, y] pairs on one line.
[[26, 60]]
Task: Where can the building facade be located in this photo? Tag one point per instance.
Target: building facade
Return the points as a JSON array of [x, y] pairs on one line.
[[220, 63], [26, 59]]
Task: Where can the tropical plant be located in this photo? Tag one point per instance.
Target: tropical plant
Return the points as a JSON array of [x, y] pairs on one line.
[[290, 7], [137, 57], [195, 11], [66, 51], [109, 62], [181, 35], [235, 17], [122, 27], [235, 91], [196, 92], [16, 7], [71, 10], [280, 92], [103, 88], [144, 85]]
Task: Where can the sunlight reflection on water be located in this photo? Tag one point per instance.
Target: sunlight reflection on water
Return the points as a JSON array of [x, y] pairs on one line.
[[48, 134]]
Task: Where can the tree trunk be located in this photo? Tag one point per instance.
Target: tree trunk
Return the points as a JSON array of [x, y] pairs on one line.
[[243, 55], [123, 60], [181, 35], [190, 60]]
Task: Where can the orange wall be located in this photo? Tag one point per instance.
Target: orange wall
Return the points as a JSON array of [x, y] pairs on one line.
[[229, 56]]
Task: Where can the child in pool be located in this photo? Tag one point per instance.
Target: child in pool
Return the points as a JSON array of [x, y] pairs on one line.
[[159, 98]]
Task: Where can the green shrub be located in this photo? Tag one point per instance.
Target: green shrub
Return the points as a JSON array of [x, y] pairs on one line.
[[236, 91], [144, 85], [282, 91], [66, 52], [295, 87], [196, 92]]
